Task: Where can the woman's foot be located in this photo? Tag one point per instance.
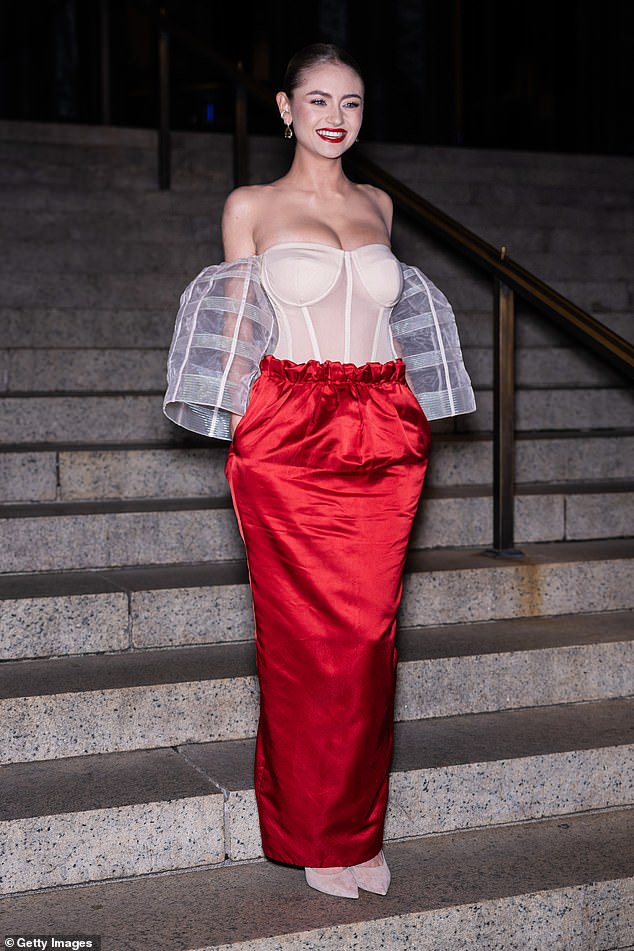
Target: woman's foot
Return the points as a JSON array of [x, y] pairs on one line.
[[338, 880], [373, 875]]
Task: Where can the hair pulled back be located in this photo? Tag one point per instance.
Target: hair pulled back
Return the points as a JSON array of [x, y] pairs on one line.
[[317, 54]]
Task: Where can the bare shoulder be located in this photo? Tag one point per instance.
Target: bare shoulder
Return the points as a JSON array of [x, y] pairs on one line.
[[381, 200], [242, 212]]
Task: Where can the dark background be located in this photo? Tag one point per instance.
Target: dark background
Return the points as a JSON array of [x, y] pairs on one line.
[[553, 76]]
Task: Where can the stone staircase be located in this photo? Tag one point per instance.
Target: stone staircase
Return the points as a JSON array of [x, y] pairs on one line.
[[128, 696]]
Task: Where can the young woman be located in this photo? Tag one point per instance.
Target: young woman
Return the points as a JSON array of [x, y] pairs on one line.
[[297, 349]]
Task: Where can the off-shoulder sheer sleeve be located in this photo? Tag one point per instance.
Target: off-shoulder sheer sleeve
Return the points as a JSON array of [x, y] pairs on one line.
[[424, 334], [225, 325]]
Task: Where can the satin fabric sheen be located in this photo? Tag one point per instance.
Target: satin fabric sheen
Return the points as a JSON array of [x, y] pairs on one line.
[[326, 469]]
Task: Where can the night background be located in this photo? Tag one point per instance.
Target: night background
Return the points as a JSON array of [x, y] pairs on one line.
[[553, 76]]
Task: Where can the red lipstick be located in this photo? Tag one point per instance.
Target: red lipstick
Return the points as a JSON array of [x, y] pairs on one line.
[[332, 135]]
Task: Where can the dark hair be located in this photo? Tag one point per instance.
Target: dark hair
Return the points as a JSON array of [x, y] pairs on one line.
[[316, 54]]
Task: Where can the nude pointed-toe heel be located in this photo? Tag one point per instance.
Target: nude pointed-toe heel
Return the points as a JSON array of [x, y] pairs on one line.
[[341, 883], [375, 880]]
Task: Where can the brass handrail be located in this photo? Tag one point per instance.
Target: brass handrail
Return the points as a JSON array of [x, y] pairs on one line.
[[601, 339]]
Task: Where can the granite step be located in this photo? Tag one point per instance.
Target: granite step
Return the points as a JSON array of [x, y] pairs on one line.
[[566, 883], [198, 801], [179, 229], [145, 289], [85, 612], [161, 471], [24, 370], [90, 418], [151, 327], [191, 154], [147, 698], [58, 536], [97, 252]]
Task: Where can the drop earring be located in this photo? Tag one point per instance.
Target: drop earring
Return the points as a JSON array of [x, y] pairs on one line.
[[288, 132]]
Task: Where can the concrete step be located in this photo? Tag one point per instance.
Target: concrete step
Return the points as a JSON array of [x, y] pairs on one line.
[[61, 536], [566, 884], [30, 474], [151, 328], [447, 775], [27, 370], [144, 289], [88, 148], [60, 613], [83, 370], [156, 698], [88, 327], [96, 252], [177, 231], [94, 418]]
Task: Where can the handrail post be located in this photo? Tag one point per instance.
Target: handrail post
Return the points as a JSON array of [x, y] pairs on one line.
[[104, 36], [504, 420], [164, 174], [240, 137]]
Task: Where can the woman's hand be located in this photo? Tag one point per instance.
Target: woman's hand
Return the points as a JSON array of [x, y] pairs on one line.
[[235, 419]]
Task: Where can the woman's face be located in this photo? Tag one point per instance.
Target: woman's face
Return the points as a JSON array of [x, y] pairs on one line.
[[326, 109]]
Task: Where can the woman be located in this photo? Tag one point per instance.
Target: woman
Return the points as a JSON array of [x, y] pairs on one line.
[[326, 465]]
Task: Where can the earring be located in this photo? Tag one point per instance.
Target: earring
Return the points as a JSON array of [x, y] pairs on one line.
[[288, 132]]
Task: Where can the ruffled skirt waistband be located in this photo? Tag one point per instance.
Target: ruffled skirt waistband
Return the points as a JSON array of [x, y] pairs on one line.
[[332, 371]]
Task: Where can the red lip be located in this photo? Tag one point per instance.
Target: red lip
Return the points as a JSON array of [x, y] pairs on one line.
[[342, 133]]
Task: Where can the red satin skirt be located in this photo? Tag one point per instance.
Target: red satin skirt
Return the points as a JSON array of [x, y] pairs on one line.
[[326, 469]]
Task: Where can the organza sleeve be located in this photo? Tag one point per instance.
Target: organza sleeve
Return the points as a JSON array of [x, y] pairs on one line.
[[225, 325], [425, 336]]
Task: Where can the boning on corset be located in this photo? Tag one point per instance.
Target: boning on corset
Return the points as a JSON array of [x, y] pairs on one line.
[[226, 324]]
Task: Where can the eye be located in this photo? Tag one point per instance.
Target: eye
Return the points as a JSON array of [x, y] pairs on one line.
[[352, 105], [318, 102]]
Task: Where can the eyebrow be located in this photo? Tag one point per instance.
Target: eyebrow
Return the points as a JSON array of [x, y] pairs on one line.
[[320, 92]]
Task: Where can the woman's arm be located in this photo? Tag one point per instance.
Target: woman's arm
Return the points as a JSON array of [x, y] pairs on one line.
[[237, 239], [238, 218]]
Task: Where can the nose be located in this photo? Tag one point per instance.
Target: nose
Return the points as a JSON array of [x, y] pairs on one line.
[[336, 114]]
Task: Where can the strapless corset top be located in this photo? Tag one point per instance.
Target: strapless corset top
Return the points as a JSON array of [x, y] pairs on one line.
[[332, 304], [303, 274]]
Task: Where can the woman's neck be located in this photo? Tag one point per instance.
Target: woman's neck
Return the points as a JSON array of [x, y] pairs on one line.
[[316, 174]]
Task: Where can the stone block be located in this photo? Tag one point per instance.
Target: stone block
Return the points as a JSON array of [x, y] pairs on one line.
[[70, 624], [455, 686], [85, 419], [79, 847], [89, 370], [28, 477], [192, 616], [143, 473], [596, 515], [107, 327], [516, 589], [574, 409], [64, 542], [577, 458], [129, 718]]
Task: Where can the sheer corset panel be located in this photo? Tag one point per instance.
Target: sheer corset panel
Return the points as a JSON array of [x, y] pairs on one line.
[[332, 304]]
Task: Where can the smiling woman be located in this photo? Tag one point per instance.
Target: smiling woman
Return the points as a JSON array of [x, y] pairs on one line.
[[322, 357]]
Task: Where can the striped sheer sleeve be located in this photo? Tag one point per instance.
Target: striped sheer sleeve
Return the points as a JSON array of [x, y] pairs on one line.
[[225, 325], [425, 336]]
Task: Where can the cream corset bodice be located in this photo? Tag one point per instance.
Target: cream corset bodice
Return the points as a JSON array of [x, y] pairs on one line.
[[332, 304]]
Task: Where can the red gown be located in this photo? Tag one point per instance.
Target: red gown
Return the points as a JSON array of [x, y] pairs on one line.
[[326, 470]]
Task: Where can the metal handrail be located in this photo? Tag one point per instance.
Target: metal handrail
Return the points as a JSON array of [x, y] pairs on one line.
[[509, 279], [601, 339]]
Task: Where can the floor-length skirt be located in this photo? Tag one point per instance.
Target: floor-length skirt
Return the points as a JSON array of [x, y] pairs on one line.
[[326, 470]]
